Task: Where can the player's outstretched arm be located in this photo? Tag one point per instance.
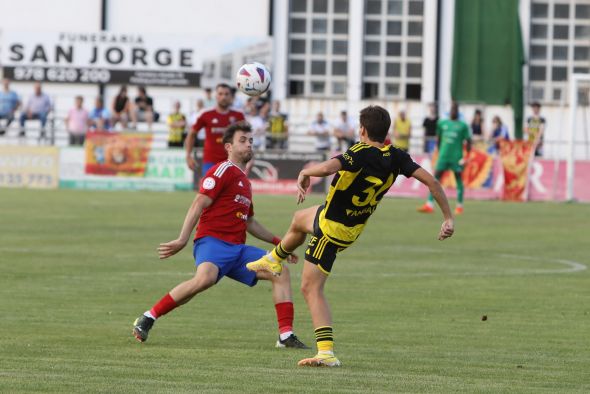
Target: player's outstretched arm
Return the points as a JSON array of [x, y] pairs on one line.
[[448, 227], [262, 233], [323, 169], [168, 249], [189, 144]]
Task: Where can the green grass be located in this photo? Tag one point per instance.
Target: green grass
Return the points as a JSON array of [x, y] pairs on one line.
[[77, 267]]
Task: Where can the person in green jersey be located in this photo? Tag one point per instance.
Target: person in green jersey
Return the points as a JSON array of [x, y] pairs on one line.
[[451, 134]]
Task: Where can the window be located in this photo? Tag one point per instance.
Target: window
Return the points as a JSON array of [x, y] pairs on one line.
[[318, 87], [297, 46], [339, 47], [539, 31], [320, 6], [318, 67], [540, 10], [559, 53], [394, 48], [582, 53], [339, 88], [372, 48], [395, 7], [394, 28], [414, 49], [373, 27], [416, 8], [373, 7], [370, 90], [372, 69], [415, 28], [559, 74], [298, 5], [392, 89], [341, 6], [298, 25], [583, 11], [392, 70], [561, 11], [340, 26], [298, 67], [414, 70], [339, 68], [295, 88], [319, 26], [560, 32], [318, 47], [537, 73], [538, 52]]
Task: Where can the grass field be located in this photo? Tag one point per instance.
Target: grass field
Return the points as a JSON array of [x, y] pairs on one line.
[[76, 268]]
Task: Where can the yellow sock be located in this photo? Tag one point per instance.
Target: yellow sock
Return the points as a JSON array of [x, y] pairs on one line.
[[325, 339]]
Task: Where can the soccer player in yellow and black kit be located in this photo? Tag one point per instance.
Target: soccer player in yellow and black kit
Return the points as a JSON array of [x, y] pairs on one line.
[[364, 173]]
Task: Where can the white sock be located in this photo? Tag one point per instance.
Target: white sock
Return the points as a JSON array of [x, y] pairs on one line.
[[327, 352], [285, 335], [149, 314]]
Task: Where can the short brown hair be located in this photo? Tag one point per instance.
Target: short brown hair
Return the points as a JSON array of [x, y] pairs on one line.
[[228, 135], [376, 121]]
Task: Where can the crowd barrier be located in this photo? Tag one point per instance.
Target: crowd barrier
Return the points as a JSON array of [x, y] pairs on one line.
[[127, 161]]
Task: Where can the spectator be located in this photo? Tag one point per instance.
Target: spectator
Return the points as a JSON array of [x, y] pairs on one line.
[[258, 122], [209, 100], [535, 128], [321, 129], [100, 118], [200, 107], [77, 122], [499, 133], [402, 128], [344, 132], [429, 125], [144, 108], [122, 109], [477, 130], [9, 103], [278, 126], [176, 127], [38, 107]]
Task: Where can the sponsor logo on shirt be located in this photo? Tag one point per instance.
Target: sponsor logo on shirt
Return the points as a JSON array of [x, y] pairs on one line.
[[214, 121], [242, 200], [241, 215]]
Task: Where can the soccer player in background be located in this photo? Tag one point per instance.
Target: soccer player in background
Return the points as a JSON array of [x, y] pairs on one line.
[[364, 173], [451, 134], [215, 121], [535, 128], [224, 212]]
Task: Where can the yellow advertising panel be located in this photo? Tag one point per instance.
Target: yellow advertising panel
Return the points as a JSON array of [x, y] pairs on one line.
[[34, 167]]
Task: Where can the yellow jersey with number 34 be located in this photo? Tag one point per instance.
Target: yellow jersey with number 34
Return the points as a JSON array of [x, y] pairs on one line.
[[367, 174]]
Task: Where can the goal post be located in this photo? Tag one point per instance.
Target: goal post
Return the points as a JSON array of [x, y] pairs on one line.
[[575, 81]]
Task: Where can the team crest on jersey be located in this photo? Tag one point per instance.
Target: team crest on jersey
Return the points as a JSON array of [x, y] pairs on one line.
[[215, 121], [208, 183], [240, 184]]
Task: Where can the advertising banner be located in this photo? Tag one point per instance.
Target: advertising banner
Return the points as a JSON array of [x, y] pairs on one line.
[[166, 170], [111, 57], [122, 154], [515, 156], [277, 172], [29, 167]]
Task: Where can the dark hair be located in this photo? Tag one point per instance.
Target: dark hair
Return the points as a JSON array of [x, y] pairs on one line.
[[536, 104], [376, 121], [228, 135], [223, 85], [142, 89]]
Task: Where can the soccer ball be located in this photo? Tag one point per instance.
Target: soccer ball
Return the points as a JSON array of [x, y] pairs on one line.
[[253, 79]]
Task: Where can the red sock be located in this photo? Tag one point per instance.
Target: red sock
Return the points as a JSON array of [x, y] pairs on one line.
[[165, 305], [285, 316]]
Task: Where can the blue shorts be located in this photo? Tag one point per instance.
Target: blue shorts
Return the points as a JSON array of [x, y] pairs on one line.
[[231, 259], [205, 167]]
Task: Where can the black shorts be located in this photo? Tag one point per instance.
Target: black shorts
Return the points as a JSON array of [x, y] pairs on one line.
[[320, 250]]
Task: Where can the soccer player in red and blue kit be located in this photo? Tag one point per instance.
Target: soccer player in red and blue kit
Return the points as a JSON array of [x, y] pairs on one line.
[[224, 212], [215, 121]]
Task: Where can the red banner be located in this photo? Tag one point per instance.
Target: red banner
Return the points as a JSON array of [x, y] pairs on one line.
[[122, 154], [515, 156]]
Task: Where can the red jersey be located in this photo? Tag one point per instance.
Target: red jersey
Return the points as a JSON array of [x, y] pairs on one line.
[[215, 124], [231, 192]]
